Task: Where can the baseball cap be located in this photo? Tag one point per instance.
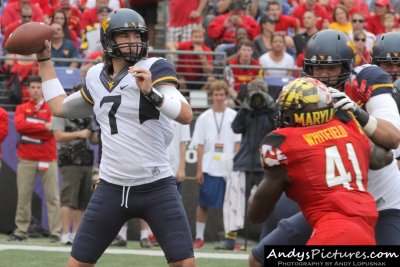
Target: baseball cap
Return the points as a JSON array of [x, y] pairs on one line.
[[382, 2]]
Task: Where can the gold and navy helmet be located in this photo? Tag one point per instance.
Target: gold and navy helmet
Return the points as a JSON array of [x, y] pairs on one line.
[[327, 48], [304, 102], [387, 49], [124, 20]]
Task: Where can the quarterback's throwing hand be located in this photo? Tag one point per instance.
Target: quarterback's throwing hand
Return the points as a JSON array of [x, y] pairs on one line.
[[143, 78]]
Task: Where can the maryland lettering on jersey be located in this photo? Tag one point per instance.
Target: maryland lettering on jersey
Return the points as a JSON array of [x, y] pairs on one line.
[[313, 117]]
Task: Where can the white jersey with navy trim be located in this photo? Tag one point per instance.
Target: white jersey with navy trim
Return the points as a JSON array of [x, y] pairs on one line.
[[383, 184], [134, 134]]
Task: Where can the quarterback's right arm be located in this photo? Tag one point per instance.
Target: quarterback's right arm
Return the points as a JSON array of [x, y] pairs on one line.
[[71, 107], [53, 96]]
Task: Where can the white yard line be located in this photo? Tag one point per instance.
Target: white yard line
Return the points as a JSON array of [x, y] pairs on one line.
[[208, 255]]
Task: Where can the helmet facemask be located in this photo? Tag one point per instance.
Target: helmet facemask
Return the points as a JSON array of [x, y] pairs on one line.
[[336, 81]]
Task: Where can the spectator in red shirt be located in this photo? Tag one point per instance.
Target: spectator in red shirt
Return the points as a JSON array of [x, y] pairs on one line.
[[45, 6], [311, 5], [12, 11], [375, 22], [243, 75], [183, 17], [25, 17], [300, 40], [222, 28], [37, 154], [286, 25], [22, 69], [3, 127], [194, 68], [389, 22]]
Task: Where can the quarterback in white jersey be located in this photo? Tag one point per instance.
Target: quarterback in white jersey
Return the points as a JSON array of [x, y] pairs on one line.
[[134, 99]]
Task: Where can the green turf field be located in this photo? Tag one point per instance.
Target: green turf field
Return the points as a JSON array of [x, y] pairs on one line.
[[39, 252]]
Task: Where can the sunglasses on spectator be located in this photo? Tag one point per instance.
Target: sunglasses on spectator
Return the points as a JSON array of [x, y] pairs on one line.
[[26, 17], [357, 20], [359, 39]]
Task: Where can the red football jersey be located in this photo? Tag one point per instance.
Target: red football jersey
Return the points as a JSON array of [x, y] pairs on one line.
[[327, 165]]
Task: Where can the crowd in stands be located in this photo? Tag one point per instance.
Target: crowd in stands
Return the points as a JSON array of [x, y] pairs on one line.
[[198, 31]]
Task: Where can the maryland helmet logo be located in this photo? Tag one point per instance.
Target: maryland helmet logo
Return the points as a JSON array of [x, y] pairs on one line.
[[305, 102]]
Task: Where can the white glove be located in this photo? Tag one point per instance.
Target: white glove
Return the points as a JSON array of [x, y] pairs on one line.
[[342, 101]]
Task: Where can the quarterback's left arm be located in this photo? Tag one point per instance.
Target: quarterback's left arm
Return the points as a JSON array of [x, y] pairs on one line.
[[171, 102], [159, 86]]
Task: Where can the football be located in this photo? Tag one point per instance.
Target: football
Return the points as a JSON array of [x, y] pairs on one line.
[[28, 38]]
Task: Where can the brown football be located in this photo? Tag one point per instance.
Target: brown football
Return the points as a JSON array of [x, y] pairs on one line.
[[29, 38]]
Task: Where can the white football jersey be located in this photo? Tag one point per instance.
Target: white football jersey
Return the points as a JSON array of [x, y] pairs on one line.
[[383, 184], [134, 134]]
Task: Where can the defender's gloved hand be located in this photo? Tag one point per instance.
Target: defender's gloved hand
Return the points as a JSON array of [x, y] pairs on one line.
[[358, 92]]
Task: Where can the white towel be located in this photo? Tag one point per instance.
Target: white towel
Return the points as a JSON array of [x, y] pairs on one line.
[[234, 202]]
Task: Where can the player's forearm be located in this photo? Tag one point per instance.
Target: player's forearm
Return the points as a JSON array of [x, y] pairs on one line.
[[46, 70], [185, 115], [53, 92], [386, 135], [379, 157], [66, 136]]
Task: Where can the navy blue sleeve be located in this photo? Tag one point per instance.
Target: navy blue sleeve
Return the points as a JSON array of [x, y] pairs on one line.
[[379, 80], [163, 72]]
